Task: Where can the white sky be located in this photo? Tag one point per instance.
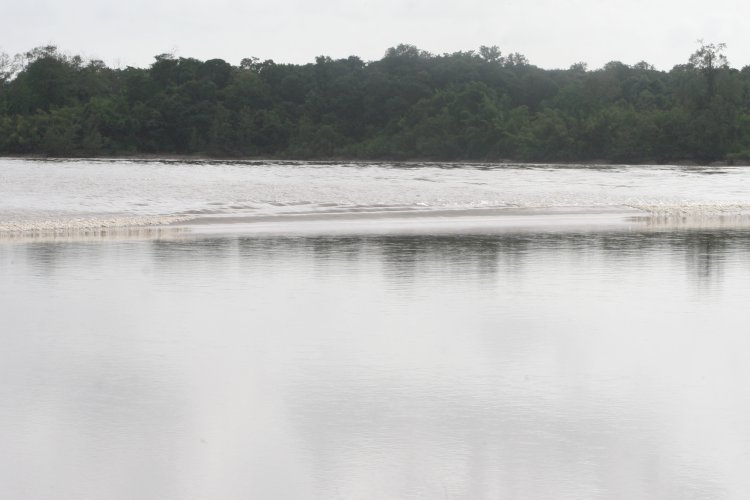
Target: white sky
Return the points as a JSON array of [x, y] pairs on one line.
[[552, 34]]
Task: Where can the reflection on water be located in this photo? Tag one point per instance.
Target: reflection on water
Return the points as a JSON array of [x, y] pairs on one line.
[[569, 364]]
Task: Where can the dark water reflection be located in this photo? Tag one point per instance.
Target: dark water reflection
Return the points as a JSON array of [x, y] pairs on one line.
[[481, 257], [516, 365]]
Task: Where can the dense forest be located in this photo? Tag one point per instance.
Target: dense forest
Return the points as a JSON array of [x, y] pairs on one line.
[[475, 105]]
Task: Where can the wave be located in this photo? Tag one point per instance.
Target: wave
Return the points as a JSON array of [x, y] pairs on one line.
[[694, 209], [651, 214], [84, 225]]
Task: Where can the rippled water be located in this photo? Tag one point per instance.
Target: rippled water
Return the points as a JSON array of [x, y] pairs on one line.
[[568, 356], [56, 194]]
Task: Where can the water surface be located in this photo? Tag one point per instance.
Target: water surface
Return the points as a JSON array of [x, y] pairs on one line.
[[57, 195], [557, 349], [519, 364]]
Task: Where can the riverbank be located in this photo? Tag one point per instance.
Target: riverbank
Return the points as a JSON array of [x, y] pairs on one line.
[[742, 162]]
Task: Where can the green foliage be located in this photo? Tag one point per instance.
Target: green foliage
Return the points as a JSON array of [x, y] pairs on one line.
[[475, 105]]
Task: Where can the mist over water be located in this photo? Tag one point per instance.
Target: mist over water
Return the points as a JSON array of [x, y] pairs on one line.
[[562, 363]]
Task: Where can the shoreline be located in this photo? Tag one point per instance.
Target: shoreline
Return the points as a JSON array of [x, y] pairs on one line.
[[421, 161]]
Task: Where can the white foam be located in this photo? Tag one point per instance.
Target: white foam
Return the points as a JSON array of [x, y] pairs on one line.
[[84, 225], [58, 196], [695, 210]]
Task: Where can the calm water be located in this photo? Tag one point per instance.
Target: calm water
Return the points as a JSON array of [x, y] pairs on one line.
[[536, 361]]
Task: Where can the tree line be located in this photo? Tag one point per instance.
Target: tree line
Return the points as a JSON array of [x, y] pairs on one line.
[[474, 105]]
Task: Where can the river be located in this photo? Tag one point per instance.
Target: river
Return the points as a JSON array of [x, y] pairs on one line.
[[215, 330]]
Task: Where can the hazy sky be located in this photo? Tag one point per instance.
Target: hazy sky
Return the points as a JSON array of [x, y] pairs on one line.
[[551, 33]]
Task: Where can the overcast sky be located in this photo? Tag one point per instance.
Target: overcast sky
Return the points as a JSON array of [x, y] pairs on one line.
[[551, 33]]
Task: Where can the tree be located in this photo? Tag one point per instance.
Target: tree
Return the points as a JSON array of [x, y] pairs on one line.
[[406, 50], [709, 59], [463, 105], [491, 54], [6, 67]]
